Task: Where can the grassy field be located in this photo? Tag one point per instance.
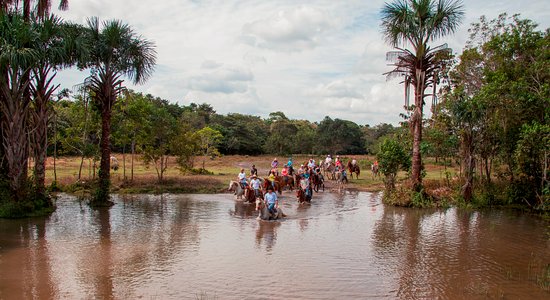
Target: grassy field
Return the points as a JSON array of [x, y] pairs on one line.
[[223, 169]]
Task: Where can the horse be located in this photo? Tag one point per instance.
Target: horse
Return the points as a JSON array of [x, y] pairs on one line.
[[286, 180], [250, 197], [263, 212], [341, 178], [353, 168], [374, 169], [114, 163], [276, 183], [236, 188], [328, 170], [304, 191], [317, 181], [302, 196]]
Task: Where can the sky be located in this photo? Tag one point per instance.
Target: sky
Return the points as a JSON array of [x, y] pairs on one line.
[[308, 59]]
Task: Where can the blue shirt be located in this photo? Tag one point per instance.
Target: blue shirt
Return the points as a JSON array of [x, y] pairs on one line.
[[271, 197]]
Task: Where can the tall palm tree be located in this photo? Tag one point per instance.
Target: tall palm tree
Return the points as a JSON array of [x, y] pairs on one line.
[[16, 61], [57, 46], [415, 23], [115, 51]]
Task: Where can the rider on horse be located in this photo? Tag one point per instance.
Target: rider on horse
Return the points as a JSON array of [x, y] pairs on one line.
[[255, 184], [253, 170], [271, 199], [271, 178], [305, 185], [242, 180], [338, 162], [284, 172]]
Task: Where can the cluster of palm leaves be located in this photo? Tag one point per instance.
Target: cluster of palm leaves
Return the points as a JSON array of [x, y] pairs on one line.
[[34, 45]]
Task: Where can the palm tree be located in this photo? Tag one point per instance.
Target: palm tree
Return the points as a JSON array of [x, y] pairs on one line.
[[415, 23], [55, 45], [16, 61], [115, 51]]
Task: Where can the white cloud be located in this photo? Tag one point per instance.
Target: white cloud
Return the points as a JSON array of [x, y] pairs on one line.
[[224, 80], [294, 29], [308, 59]]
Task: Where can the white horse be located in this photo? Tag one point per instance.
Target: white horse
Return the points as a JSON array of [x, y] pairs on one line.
[[329, 170], [236, 188], [264, 213]]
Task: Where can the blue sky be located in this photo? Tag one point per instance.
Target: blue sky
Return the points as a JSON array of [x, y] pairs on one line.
[[308, 59]]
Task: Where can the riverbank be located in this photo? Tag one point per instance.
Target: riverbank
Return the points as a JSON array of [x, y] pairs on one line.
[[219, 171]]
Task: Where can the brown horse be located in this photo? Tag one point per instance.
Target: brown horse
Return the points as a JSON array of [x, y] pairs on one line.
[[302, 197], [249, 195], [353, 169], [276, 183], [317, 181], [286, 181]]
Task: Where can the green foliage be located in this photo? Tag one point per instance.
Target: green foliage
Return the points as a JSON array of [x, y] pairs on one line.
[[185, 146], [499, 106], [159, 140], [33, 205], [242, 134], [392, 158], [340, 137], [282, 132]]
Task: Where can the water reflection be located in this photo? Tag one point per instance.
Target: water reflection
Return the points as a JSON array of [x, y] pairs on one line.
[[243, 210], [456, 253], [266, 233], [31, 272], [342, 245]]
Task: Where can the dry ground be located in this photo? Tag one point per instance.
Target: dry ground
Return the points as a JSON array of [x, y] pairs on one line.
[[223, 170]]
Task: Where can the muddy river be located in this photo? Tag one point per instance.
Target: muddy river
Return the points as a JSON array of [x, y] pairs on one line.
[[343, 246]]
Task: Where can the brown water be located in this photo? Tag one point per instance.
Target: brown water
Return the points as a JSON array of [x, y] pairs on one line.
[[342, 246]]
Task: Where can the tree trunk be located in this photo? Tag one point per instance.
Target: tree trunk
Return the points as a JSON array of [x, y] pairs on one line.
[[55, 148], [80, 168], [469, 166], [416, 123], [132, 159], [124, 162], [42, 93], [105, 144], [14, 131]]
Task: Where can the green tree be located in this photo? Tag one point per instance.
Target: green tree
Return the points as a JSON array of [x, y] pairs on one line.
[[158, 143], [416, 23], [281, 134], [16, 60], [304, 140], [53, 52], [340, 137], [115, 51], [185, 145], [132, 124], [209, 140], [499, 91], [392, 157], [242, 134]]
